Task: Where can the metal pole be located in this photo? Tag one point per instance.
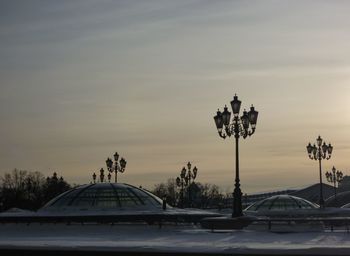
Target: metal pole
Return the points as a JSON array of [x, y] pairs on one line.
[[237, 194], [116, 176], [182, 193], [321, 189], [189, 188], [335, 188]]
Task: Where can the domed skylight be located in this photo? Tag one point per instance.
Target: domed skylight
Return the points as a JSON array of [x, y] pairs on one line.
[[104, 196], [281, 203]]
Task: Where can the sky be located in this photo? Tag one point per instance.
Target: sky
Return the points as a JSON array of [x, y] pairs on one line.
[[80, 80]]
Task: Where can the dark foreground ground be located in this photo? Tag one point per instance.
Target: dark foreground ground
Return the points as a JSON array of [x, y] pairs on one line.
[[18, 252]]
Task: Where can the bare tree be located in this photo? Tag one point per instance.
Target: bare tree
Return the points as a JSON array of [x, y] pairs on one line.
[[167, 191], [203, 195], [29, 190], [22, 189]]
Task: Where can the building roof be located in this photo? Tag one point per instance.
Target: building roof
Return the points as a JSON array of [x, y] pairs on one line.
[[340, 200], [312, 193]]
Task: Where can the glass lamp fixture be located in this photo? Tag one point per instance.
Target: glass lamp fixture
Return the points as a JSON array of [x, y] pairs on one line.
[[236, 106]]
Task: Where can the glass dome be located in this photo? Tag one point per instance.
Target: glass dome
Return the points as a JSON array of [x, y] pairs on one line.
[[281, 203], [104, 196], [346, 206]]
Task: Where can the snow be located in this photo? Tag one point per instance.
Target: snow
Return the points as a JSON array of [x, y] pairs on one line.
[[170, 238]]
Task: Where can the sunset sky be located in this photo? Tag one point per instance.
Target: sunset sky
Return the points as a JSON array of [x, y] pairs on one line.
[[80, 80]]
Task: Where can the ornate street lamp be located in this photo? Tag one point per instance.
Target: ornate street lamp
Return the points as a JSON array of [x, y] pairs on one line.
[[318, 153], [186, 178], [180, 182], [239, 126], [334, 177], [94, 177], [191, 175], [102, 175], [116, 166]]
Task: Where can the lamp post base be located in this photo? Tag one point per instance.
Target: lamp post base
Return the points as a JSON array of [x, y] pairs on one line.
[[237, 203]]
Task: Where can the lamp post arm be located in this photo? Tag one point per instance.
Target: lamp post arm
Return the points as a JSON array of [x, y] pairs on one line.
[[228, 130], [251, 132], [222, 135], [324, 155]]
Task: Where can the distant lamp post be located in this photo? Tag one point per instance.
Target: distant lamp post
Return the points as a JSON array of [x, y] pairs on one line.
[[318, 153], [116, 166], [186, 178], [54, 177], [334, 177], [239, 126], [94, 177], [190, 177], [180, 182], [102, 175]]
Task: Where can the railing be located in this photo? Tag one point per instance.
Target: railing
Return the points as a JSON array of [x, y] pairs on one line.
[[279, 224], [150, 219], [327, 223]]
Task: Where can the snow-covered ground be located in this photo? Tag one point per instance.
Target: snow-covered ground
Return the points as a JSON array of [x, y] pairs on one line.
[[184, 238]]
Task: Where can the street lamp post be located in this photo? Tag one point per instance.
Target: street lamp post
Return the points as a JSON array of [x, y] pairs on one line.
[[334, 177], [191, 174], [102, 175], [239, 126], [180, 182], [116, 166], [318, 153], [186, 178]]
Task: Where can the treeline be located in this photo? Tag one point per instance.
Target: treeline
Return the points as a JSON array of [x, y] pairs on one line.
[[29, 190], [195, 195]]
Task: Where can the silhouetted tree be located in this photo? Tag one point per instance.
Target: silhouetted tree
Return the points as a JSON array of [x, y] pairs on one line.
[[210, 195], [167, 190], [203, 195], [29, 190], [21, 189]]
